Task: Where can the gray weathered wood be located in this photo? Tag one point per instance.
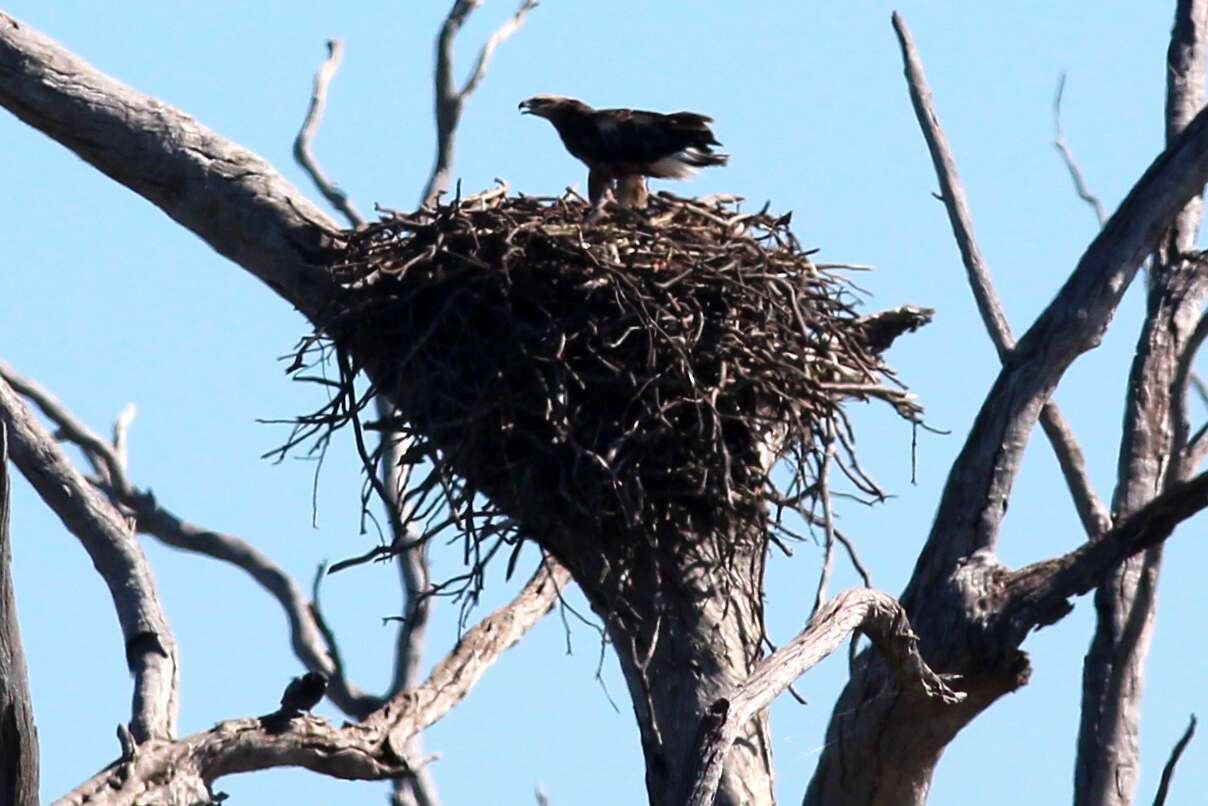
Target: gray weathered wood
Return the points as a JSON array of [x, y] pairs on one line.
[[18, 736], [110, 542], [955, 597], [228, 196], [1108, 760]]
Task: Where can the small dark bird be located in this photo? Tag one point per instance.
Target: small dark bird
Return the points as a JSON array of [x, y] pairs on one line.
[[303, 693], [623, 146]]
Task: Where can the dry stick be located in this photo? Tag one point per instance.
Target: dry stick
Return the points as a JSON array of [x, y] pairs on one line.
[[314, 114], [105, 460], [150, 518], [305, 634], [370, 750], [121, 431], [1168, 769], [1068, 157], [109, 541], [875, 614], [828, 518], [449, 99], [1094, 515]]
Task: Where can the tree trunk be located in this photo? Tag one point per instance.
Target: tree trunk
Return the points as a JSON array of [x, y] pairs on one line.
[[684, 638], [18, 736], [1151, 460]]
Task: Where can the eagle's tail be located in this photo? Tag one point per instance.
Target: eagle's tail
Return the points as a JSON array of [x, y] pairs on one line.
[[701, 157], [685, 163]]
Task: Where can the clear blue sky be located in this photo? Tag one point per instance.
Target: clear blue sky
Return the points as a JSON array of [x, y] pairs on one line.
[[107, 301]]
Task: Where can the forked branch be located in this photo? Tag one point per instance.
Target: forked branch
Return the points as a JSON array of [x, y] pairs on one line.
[[373, 749], [1094, 515], [875, 614], [109, 541], [450, 100], [150, 518]]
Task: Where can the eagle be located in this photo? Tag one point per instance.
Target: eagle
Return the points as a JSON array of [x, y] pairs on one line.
[[623, 146]]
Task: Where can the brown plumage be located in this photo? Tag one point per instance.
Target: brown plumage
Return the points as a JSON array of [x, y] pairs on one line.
[[623, 146]]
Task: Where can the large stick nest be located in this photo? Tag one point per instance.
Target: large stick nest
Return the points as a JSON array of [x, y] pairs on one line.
[[616, 385]]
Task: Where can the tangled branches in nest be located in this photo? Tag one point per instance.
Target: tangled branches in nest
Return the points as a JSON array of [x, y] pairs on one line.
[[614, 387]]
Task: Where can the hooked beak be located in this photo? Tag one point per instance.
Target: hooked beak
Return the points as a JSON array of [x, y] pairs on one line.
[[525, 108]]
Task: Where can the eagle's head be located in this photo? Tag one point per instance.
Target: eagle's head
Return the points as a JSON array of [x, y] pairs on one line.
[[550, 106]]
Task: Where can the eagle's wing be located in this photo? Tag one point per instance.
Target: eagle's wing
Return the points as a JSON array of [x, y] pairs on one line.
[[651, 143]]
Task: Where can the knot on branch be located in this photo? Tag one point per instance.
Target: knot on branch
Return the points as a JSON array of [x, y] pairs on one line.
[[625, 384]]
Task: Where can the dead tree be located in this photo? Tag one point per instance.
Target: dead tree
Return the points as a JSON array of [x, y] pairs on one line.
[[689, 645]]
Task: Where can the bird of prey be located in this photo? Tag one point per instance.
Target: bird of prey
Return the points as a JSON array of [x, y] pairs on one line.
[[623, 146], [303, 693]]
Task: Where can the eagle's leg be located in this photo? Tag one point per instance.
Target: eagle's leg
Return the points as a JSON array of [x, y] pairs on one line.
[[631, 191], [598, 183]]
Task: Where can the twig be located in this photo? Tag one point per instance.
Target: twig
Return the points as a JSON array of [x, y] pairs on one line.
[[1068, 156], [1168, 769], [828, 520], [105, 460], [314, 115], [121, 430], [865, 577], [1094, 515]]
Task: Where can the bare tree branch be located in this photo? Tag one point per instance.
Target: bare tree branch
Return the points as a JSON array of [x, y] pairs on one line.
[[1068, 157], [306, 637], [121, 429], [870, 612], [957, 576], [953, 196], [980, 480], [372, 749], [1184, 379], [18, 735], [1037, 595], [248, 213], [1168, 769], [501, 35], [828, 519], [418, 789], [1091, 510], [314, 115], [181, 772], [109, 541], [449, 99], [104, 458], [414, 574], [1151, 452]]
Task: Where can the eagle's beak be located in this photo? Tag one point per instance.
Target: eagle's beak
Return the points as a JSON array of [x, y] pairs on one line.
[[524, 108]]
